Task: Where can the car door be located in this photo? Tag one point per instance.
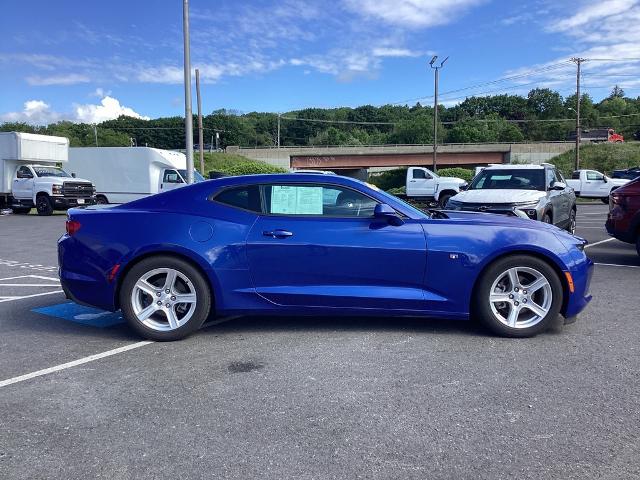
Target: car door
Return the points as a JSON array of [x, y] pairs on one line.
[[318, 245], [23, 183], [560, 199], [595, 184], [421, 182], [171, 180]]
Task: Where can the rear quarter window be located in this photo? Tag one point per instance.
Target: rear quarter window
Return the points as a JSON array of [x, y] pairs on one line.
[[246, 197]]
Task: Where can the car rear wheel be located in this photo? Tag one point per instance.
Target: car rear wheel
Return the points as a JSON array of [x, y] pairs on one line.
[[547, 218], [638, 243], [165, 298], [518, 296], [605, 200]]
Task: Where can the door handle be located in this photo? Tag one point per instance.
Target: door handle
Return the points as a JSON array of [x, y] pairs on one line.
[[412, 181], [278, 233]]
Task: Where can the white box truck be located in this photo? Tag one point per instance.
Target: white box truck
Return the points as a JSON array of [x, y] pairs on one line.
[[124, 174], [30, 176]]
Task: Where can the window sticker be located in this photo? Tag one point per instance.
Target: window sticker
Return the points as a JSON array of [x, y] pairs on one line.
[[290, 200]]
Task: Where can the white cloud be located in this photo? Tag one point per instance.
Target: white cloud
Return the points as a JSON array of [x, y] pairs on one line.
[[67, 79], [394, 52], [412, 13], [38, 112], [35, 111], [108, 109], [597, 10]]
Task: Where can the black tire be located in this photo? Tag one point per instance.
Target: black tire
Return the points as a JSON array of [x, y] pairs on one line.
[[102, 200], [605, 200], [546, 218], [571, 226], [444, 198], [638, 243], [481, 305], [20, 210], [192, 274], [43, 205]]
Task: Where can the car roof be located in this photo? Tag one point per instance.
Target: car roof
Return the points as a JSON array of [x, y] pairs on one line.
[[517, 167], [286, 177]]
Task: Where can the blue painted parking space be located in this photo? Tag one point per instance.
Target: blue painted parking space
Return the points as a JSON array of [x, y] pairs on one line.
[[83, 315]]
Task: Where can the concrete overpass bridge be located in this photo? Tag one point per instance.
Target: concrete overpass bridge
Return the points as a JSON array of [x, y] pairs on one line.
[[383, 157]]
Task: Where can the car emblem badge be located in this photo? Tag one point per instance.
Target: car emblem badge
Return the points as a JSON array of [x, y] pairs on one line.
[[483, 208]]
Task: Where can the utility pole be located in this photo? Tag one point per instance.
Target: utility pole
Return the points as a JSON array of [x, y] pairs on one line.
[[279, 130], [436, 68], [200, 130], [188, 115], [578, 61]]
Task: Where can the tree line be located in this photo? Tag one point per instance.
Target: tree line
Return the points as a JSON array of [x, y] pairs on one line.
[[542, 115]]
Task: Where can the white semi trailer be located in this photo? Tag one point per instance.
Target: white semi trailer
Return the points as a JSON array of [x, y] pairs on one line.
[[124, 174]]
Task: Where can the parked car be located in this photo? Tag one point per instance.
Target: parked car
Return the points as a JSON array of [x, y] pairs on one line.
[[30, 176], [299, 244], [593, 184], [623, 221], [626, 174], [537, 192], [423, 183], [124, 174]]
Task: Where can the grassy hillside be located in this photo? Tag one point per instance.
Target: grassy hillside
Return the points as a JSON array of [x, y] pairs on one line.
[[233, 164], [603, 157]]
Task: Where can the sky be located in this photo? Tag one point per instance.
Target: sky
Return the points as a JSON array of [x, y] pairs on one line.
[[90, 61]]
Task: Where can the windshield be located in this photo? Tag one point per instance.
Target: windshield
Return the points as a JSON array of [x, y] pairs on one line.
[[50, 172], [514, 178], [197, 178]]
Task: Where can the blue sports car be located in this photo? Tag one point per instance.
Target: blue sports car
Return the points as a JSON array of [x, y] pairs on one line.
[[306, 244]]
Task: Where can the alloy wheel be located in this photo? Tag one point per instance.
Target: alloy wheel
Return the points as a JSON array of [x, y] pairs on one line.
[[520, 297], [163, 299]]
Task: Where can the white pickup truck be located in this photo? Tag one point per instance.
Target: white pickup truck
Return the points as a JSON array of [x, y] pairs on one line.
[[30, 177], [422, 182], [593, 184]]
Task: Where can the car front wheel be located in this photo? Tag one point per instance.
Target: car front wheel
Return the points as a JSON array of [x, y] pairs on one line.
[[571, 227], [165, 298], [518, 296]]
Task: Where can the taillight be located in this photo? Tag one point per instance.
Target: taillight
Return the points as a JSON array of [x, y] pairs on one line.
[[73, 226], [617, 199]]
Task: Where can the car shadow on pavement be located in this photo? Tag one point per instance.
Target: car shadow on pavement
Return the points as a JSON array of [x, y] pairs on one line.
[[250, 324]]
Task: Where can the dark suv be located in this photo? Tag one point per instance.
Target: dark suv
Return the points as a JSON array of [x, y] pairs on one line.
[[623, 221], [628, 174]]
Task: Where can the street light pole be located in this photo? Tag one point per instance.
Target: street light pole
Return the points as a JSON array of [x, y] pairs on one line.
[[578, 61], [188, 115], [436, 69]]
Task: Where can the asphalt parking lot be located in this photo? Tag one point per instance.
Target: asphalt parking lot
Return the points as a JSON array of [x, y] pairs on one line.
[[314, 397]]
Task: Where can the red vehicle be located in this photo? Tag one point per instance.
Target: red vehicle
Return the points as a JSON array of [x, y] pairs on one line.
[[623, 221]]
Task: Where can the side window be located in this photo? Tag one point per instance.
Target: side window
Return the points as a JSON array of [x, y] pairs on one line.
[[321, 200], [171, 176], [551, 176], [24, 172], [421, 174], [594, 176], [246, 197]]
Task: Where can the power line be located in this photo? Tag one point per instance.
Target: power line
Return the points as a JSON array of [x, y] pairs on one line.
[[318, 120]]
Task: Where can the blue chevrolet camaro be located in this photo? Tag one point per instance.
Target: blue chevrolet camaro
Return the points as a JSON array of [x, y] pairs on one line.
[[308, 244]]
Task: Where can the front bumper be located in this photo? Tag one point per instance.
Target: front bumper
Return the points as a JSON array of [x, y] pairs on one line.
[[64, 203], [580, 297], [531, 212]]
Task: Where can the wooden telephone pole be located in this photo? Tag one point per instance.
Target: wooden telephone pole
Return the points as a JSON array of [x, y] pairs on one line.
[[578, 61]]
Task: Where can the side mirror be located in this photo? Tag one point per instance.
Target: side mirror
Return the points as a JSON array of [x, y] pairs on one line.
[[558, 186], [464, 187], [73, 175], [387, 213], [604, 179]]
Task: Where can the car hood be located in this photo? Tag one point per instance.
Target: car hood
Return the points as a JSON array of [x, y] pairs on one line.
[[499, 196], [491, 219], [456, 180], [61, 180]]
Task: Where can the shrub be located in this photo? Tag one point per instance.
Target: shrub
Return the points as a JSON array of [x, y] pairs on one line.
[[397, 191], [237, 165], [390, 179], [463, 173]]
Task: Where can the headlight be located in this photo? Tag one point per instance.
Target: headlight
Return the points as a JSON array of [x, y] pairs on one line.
[[56, 189], [529, 210]]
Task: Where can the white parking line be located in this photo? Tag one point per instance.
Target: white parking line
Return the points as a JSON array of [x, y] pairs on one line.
[[598, 243], [64, 366], [12, 299], [616, 265]]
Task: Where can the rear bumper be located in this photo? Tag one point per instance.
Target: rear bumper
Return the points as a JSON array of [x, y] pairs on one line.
[[620, 230]]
